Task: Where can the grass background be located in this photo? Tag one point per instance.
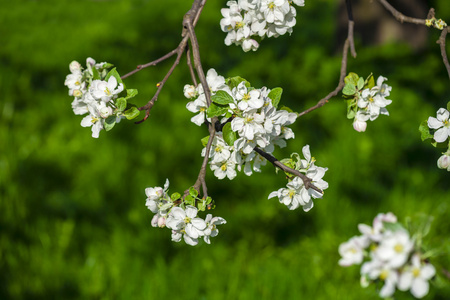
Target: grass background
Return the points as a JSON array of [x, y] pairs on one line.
[[72, 217]]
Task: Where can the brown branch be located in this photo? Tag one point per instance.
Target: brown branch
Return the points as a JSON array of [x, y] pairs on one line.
[[441, 41], [153, 63], [306, 180], [347, 45], [191, 69], [401, 17], [431, 14]]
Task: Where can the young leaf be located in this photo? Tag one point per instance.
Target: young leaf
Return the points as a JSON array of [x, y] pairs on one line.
[[215, 110], [109, 123], [175, 196], [114, 73], [131, 113], [205, 141], [360, 83], [425, 131], [448, 105], [228, 134], [131, 93], [286, 109], [222, 97], [349, 89], [189, 200], [393, 226], [121, 104], [351, 78], [95, 73], [275, 96], [233, 82], [193, 192], [351, 109], [370, 82]]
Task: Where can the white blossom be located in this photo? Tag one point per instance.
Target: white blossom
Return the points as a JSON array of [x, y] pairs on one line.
[[441, 124], [415, 277]]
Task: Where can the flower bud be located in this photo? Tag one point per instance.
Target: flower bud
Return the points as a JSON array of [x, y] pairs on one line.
[[360, 126], [189, 91], [75, 67], [155, 220], [444, 162], [105, 111], [162, 222]]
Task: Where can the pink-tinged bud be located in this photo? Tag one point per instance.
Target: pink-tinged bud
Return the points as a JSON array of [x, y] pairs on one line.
[[360, 126], [444, 162], [162, 222], [75, 67], [155, 220]]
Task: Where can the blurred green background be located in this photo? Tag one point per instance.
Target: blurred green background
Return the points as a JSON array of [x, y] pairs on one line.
[[73, 220]]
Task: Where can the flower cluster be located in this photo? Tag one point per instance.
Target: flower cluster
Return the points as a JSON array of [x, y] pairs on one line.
[[436, 23], [367, 101], [100, 93], [247, 20], [249, 118], [295, 194], [393, 257], [180, 215], [438, 131]]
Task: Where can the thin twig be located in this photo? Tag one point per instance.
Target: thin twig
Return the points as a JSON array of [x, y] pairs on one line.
[[306, 180], [441, 42], [342, 74], [191, 70], [431, 14], [348, 4], [401, 17], [153, 63]]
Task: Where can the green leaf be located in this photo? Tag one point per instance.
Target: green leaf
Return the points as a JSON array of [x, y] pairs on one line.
[[95, 73], [201, 205], [205, 140], [109, 123], [275, 96], [121, 104], [360, 83], [131, 113], [175, 196], [286, 109], [222, 97], [351, 109], [448, 105], [189, 200], [215, 110], [393, 226], [349, 89], [193, 192], [131, 93], [228, 134], [351, 78], [370, 81], [208, 200], [114, 73], [425, 131], [233, 82]]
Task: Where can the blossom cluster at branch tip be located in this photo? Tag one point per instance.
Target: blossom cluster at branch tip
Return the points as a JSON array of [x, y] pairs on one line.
[[180, 215], [250, 118], [367, 101], [246, 21], [436, 23], [100, 93], [392, 257], [296, 194]]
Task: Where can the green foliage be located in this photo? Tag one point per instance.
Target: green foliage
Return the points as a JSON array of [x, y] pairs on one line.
[[73, 219], [228, 134], [275, 96]]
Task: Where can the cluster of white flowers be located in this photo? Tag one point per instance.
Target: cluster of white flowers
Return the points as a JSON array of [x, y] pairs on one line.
[[295, 194], [393, 259], [174, 213], [441, 127], [96, 90], [250, 115], [371, 103], [246, 20]]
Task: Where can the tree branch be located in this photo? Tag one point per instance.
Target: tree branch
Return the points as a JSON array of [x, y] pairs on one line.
[[306, 180], [401, 17], [441, 41], [347, 44]]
